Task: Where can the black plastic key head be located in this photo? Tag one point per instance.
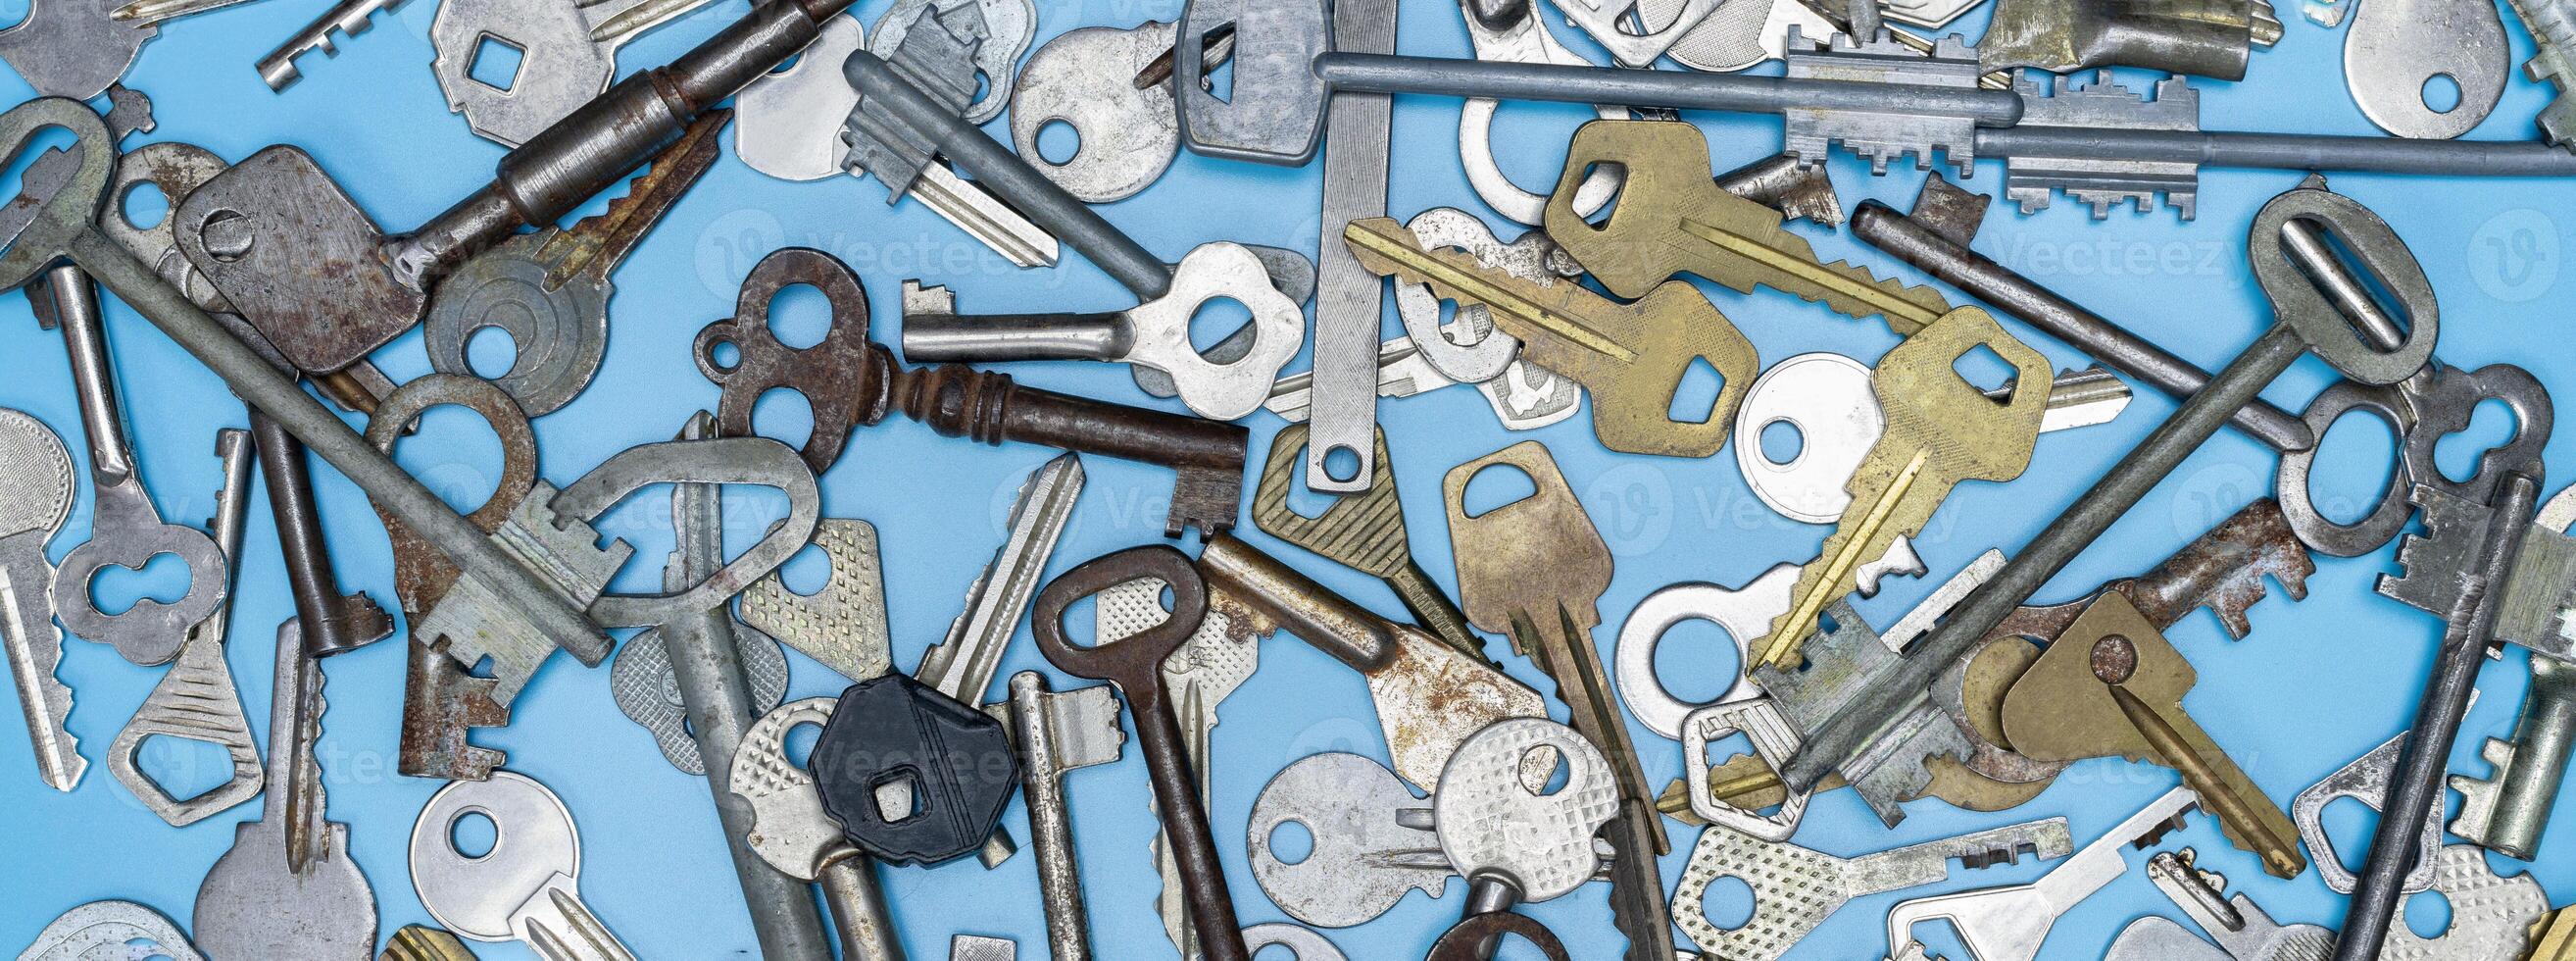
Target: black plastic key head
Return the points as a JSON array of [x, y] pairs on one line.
[[912, 775]]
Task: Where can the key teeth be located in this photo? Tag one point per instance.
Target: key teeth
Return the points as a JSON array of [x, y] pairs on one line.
[[2435, 565], [2478, 796]]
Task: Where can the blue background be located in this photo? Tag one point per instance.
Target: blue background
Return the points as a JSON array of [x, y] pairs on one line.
[[2317, 683]]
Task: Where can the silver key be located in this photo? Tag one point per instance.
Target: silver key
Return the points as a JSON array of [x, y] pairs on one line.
[[566, 55], [790, 830], [1512, 844], [1480, 353], [1153, 334], [2508, 811], [1009, 27], [2009, 923], [788, 124], [648, 693], [2366, 780], [196, 700], [1515, 33], [942, 62], [962, 665], [73, 48], [125, 528], [1060, 732], [1532, 400], [111, 931], [346, 17], [287, 887], [1744, 613], [1090, 79], [1827, 398], [1608, 22], [1795, 889], [844, 624], [2243, 930], [526, 888], [35, 497]]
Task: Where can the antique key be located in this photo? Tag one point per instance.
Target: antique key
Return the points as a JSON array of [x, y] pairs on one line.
[[1515, 563], [526, 888], [1135, 664], [1673, 219], [851, 382], [1364, 531], [36, 477], [549, 290], [1632, 357], [2112, 685], [1058, 733], [1941, 430], [196, 700], [288, 886]]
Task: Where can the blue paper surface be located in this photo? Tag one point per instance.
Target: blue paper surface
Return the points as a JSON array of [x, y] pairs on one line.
[[2318, 682]]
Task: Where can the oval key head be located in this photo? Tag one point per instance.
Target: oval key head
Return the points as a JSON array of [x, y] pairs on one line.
[[1349, 805], [35, 231], [1134, 662], [2302, 301], [913, 776], [533, 840]]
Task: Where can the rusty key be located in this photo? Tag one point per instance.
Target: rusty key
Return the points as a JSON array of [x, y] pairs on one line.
[[1135, 664]]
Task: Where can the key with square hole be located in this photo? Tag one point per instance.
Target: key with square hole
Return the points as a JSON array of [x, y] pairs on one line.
[[526, 887], [558, 57], [1632, 357], [125, 528], [1363, 531], [1795, 889], [36, 490], [196, 699], [2113, 685], [549, 290], [1941, 430], [1153, 334], [1534, 570], [789, 829]]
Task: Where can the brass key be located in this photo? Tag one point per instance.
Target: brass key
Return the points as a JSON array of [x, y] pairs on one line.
[[1632, 357], [1672, 219], [1363, 531], [1941, 430], [1534, 570], [2113, 685]]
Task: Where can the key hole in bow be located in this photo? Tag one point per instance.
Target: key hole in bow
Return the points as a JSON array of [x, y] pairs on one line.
[[2349, 824], [1728, 903], [807, 572], [1600, 219], [2491, 427], [115, 588], [1059, 141], [797, 745], [1495, 487], [185, 768], [1216, 322], [40, 143], [1291, 843], [1782, 441], [2441, 93], [144, 205], [2354, 466], [2428, 913], [12, 12], [2353, 279], [473, 835], [1558, 771], [496, 63], [900, 797], [1695, 394], [491, 352], [1986, 371], [800, 316], [456, 455], [1305, 501]]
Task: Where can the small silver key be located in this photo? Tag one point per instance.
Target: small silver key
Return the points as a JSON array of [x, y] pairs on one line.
[[346, 17], [2243, 930], [1529, 400], [843, 626], [1795, 889], [2009, 923], [35, 497], [1056, 733], [790, 830], [111, 931], [566, 53], [196, 699], [526, 888], [1513, 844]]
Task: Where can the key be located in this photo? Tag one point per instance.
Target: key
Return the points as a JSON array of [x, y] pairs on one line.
[[1795, 889], [564, 62], [288, 886], [1154, 334], [1516, 846], [788, 829], [550, 290], [125, 528], [941, 64], [962, 664], [1941, 430], [844, 624], [1373, 841], [1515, 562], [1005, 29], [1478, 354], [36, 486], [2366, 780], [850, 381], [1058, 733], [348, 17], [527, 889], [790, 121], [2507, 811], [196, 700], [1513, 33], [415, 942], [970, 947], [2112, 685], [2009, 923], [912, 775], [2244, 931], [1743, 613], [2305, 321], [1364, 532], [1631, 357], [102, 930], [72, 48], [1135, 664], [1828, 399], [1521, 403], [1114, 88]]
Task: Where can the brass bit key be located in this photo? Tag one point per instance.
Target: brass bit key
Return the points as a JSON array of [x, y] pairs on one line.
[[1363, 531], [2113, 685], [1632, 357], [1673, 219], [1941, 430]]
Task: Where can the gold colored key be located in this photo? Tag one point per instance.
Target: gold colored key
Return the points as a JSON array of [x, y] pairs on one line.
[[2112, 685], [1941, 430], [1673, 219], [1632, 357]]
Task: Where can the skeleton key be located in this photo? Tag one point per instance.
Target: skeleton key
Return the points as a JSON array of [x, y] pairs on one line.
[[549, 290], [1632, 357], [125, 528], [36, 488], [1795, 889], [526, 888], [1057, 733], [196, 700], [790, 830], [287, 887], [1941, 430], [1135, 663], [1672, 219], [1515, 561], [2112, 684], [2244, 931], [2010, 923], [1363, 531]]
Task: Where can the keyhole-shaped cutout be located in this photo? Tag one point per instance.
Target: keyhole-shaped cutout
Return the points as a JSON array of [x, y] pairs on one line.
[[115, 588], [2492, 426]]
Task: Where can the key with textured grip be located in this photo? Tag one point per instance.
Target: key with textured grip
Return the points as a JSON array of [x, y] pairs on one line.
[[1795, 889], [1363, 531]]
